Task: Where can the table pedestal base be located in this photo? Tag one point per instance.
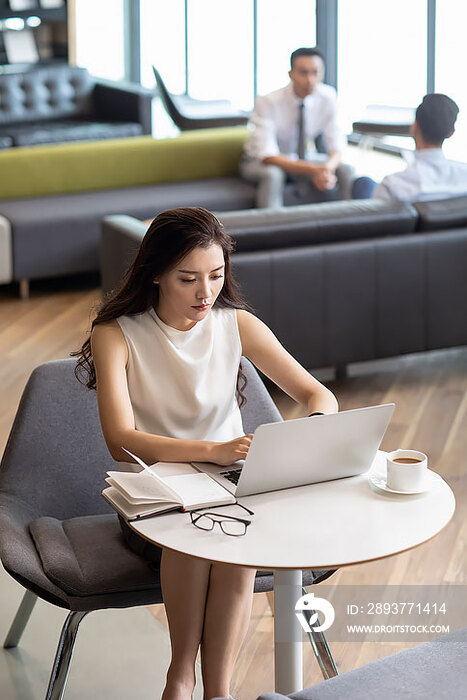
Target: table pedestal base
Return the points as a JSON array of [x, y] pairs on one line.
[[288, 645]]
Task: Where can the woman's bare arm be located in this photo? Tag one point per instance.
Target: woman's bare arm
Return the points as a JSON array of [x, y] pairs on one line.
[[262, 347], [110, 355]]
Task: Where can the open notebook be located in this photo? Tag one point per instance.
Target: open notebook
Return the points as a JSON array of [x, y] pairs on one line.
[[161, 487]]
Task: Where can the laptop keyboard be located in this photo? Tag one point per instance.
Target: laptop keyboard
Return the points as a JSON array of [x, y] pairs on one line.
[[233, 475]]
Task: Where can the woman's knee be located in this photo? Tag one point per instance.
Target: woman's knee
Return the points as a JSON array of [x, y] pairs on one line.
[[236, 575], [183, 562]]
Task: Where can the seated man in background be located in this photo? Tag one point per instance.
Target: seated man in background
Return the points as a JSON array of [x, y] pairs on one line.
[[286, 123], [431, 175]]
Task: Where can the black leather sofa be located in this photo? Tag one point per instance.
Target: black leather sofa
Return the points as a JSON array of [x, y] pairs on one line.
[[341, 282], [64, 103]]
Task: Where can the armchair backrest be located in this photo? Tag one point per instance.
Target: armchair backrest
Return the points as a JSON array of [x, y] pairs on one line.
[[56, 457], [313, 224], [440, 214], [166, 97], [45, 93]]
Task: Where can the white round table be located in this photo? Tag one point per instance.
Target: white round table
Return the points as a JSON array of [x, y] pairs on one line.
[[320, 526]]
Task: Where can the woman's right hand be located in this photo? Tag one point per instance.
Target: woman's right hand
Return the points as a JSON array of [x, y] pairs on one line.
[[225, 453]]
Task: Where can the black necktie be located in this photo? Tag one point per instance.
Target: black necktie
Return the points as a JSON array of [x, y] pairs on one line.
[[302, 184], [301, 131]]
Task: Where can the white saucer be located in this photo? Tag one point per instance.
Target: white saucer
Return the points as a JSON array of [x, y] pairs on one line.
[[379, 480]]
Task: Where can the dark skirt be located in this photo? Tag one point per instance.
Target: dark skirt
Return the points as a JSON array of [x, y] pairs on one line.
[[149, 551]]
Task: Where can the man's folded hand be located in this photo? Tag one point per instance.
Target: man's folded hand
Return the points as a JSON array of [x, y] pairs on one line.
[[323, 178]]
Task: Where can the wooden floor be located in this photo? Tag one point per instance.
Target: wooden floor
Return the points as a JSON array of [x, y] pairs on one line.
[[430, 392]]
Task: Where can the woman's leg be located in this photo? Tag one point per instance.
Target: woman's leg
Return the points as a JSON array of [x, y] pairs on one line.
[[184, 582], [228, 610]]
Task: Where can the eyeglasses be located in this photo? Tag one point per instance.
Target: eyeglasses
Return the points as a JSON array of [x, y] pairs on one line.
[[229, 524]]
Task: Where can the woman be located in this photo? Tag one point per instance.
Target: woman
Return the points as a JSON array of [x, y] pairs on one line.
[[164, 355]]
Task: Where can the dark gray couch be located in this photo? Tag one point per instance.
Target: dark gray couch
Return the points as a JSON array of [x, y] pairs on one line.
[[64, 103], [341, 282]]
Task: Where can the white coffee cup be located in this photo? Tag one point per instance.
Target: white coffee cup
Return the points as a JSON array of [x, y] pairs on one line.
[[406, 470]]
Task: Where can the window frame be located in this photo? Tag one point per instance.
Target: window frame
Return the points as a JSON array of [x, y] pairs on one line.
[[326, 39]]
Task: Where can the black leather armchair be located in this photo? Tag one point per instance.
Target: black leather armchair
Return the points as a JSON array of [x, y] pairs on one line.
[[64, 103], [188, 113]]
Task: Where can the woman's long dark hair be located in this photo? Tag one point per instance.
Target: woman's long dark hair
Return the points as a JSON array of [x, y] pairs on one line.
[[170, 237]]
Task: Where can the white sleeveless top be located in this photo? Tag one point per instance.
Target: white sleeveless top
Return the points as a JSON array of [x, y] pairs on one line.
[[182, 384]]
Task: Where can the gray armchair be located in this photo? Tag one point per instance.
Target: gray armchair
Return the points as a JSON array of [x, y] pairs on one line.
[[432, 671], [58, 536]]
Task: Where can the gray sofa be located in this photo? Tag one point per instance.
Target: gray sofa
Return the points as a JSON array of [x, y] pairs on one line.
[[64, 103], [341, 282], [436, 670]]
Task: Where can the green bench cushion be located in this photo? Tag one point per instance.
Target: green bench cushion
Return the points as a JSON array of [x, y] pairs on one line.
[[126, 162]]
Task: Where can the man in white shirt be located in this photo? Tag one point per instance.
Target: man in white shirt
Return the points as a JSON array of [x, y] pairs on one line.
[[286, 123], [431, 175]]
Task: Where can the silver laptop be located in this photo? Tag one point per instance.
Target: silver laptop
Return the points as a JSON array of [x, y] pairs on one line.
[[305, 451]]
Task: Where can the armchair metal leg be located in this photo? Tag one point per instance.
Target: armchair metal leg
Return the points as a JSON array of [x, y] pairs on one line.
[[321, 648], [62, 662], [322, 653], [21, 620]]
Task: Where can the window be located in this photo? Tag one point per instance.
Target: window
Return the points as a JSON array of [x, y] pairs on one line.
[[221, 40], [220, 50], [451, 18], [382, 54], [100, 37], [163, 42], [282, 28]]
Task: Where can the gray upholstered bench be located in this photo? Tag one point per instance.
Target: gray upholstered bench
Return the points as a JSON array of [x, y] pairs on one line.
[[58, 234], [431, 671]]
